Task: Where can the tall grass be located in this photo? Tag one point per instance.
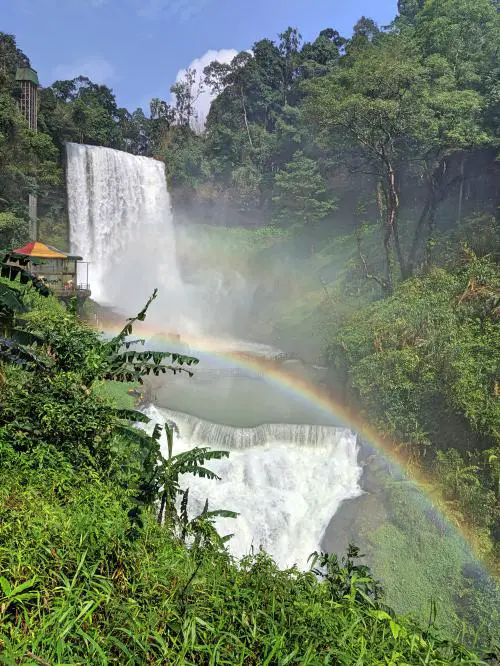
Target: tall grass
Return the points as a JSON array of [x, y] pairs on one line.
[[75, 590]]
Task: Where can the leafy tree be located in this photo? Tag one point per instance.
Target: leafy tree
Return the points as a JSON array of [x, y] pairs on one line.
[[465, 33], [289, 47], [161, 120], [322, 54], [11, 57], [186, 93], [81, 111], [182, 152], [27, 160], [408, 9], [375, 103], [365, 32], [459, 42], [300, 193], [135, 131], [14, 231]]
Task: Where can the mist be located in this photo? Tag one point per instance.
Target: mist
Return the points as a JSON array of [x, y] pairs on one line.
[[209, 284]]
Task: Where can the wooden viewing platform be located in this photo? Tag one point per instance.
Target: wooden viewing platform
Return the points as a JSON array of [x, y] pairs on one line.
[[57, 269]]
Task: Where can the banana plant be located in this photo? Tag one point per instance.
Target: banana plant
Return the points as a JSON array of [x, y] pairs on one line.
[[173, 467], [202, 527], [160, 483], [13, 340], [125, 364]]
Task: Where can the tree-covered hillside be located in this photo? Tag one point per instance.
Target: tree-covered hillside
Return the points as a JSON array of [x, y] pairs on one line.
[[360, 174], [400, 121]]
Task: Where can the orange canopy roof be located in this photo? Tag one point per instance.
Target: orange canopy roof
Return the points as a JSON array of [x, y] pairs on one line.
[[40, 250]]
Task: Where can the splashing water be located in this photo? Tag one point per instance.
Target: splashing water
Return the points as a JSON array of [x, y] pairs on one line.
[[121, 221], [285, 481]]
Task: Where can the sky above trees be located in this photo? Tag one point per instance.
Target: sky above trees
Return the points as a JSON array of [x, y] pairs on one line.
[[139, 47]]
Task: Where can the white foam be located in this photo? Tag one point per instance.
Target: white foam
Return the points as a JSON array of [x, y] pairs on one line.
[[285, 481]]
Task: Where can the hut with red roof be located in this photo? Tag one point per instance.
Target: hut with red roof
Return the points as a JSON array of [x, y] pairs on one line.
[[58, 270]]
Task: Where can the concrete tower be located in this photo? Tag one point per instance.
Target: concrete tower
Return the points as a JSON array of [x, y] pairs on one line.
[[28, 80]]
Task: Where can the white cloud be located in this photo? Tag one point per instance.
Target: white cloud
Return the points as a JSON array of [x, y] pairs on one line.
[[97, 69], [202, 106]]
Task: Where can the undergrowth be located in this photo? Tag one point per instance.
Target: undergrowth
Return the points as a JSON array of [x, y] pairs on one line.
[[76, 590], [100, 563]]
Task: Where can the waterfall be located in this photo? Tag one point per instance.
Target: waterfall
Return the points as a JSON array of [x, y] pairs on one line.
[[285, 481], [121, 221]]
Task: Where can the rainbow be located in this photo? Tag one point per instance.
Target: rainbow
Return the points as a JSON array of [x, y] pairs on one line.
[[296, 386]]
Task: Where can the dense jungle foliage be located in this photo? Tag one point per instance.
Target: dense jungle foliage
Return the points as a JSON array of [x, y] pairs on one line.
[[372, 162], [101, 565]]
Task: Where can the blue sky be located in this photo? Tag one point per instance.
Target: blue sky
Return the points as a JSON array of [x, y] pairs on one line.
[[138, 47]]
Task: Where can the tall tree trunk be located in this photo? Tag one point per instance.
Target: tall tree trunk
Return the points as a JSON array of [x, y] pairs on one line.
[[383, 213], [461, 191], [388, 261], [392, 216], [437, 191], [412, 258], [427, 219], [431, 236], [246, 118]]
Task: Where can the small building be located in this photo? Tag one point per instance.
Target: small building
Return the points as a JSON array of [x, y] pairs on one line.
[[58, 270], [28, 104]]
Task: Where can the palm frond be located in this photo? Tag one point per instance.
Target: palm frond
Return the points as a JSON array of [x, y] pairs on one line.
[[117, 342]]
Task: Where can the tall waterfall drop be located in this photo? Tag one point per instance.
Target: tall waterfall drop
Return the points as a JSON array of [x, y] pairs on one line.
[[121, 221]]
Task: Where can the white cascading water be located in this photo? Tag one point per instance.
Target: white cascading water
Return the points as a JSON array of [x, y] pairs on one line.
[[285, 481], [121, 221]]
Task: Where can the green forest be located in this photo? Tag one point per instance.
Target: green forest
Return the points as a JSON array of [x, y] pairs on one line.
[[370, 165]]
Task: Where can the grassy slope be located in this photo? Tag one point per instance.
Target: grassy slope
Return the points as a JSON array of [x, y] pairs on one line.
[[90, 596]]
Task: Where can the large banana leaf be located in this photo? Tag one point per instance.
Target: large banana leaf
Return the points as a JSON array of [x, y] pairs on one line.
[[12, 352]]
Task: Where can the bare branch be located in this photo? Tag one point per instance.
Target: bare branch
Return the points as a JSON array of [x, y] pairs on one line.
[[368, 275]]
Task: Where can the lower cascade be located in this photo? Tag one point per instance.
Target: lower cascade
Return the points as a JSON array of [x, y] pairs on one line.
[[285, 481]]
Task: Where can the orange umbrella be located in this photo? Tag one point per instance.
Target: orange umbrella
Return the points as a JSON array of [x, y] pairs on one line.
[[41, 251]]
